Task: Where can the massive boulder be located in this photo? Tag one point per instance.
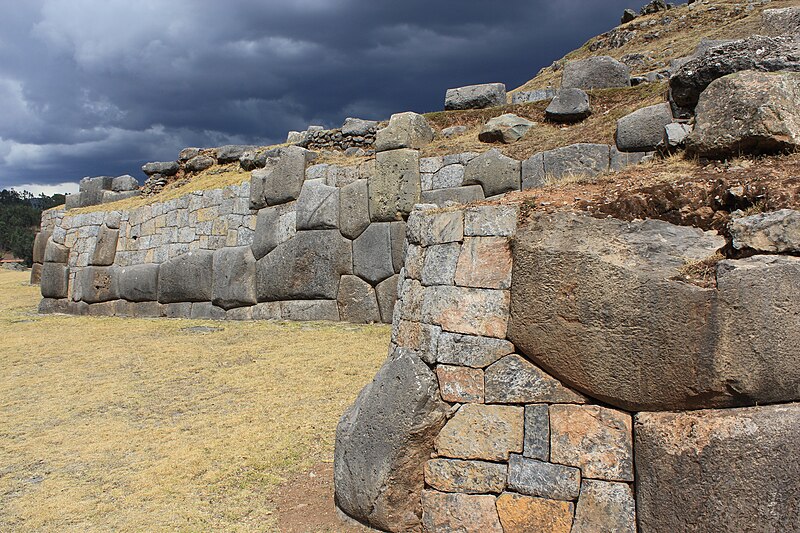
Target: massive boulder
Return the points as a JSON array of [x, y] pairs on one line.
[[96, 284], [317, 206], [55, 280], [234, 279], [719, 470], [138, 283], [186, 278], [382, 443], [599, 72], [165, 168], [747, 113], [643, 130], [507, 129], [405, 130], [766, 54], [495, 172], [604, 306], [281, 181], [105, 249], [475, 96], [306, 267], [396, 187], [569, 105]]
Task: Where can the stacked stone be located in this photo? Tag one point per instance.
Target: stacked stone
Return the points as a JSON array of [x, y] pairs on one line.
[[103, 189], [355, 137]]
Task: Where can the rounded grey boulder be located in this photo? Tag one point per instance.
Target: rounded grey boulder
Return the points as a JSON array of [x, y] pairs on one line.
[[643, 130], [599, 72], [569, 105], [475, 96]]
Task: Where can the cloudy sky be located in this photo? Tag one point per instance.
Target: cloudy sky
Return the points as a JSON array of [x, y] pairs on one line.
[[98, 87]]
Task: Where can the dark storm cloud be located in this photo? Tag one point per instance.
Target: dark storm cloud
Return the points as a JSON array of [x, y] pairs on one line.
[[100, 86]]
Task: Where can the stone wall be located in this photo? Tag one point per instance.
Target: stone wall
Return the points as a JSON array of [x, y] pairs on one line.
[[558, 374]]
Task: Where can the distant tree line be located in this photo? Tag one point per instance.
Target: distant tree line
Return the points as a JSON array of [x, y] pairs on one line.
[[20, 215]]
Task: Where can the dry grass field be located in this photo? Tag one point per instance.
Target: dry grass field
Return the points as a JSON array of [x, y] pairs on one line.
[[151, 425]]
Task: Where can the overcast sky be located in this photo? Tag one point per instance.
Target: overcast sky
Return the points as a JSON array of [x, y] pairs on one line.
[[98, 87]]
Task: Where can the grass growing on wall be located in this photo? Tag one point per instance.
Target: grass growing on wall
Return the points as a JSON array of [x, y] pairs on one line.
[[143, 425]]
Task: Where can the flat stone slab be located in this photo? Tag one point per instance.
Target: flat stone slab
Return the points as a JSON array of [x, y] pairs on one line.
[[475, 96], [486, 432]]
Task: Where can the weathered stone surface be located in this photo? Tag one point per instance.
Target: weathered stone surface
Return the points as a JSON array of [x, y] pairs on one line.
[[507, 129], [775, 232], [488, 432], [420, 338], [36, 273], [453, 131], [490, 221], [138, 283], [622, 160], [449, 176], [354, 209], [675, 135], [405, 130], [188, 153], [643, 130], [306, 267], [495, 172], [697, 353], [440, 264], [469, 477], [627, 16], [317, 206], [124, 183], [357, 301], [200, 163], [111, 196], [525, 514], [104, 308], [267, 311], [569, 105], [240, 313], [537, 432], [576, 160], [274, 226], [459, 512], [457, 195], [386, 292], [397, 233], [383, 440], [358, 127], [395, 188], [49, 306], [599, 72], [747, 113], [605, 506], [411, 297], [230, 153], [105, 250], [784, 21], [40, 245], [546, 480], [206, 311], [426, 228], [186, 278], [464, 310], [514, 379], [372, 253], [523, 97], [55, 253], [475, 96], [766, 54], [460, 384], [96, 285], [595, 439], [178, 310], [726, 470], [73, 201], [281, 181], [310, 310], [165, 168], [484, 262], [234, 279], [55, 280], [472, 351]]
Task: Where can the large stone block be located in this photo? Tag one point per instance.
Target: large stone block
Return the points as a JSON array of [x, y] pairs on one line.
[[576, 160], [569, 105], [56, 253], [460, 384], [724, 470], [317, 206], [595, 439], [526, 514], [475, 96], [542, 479], [96, 285], [781, 21], [372, 253], [234, 279], [439, 267], [470, 311], [357, 301], [306, 267], [405, 130], [513, 379], [40, 245], [354, 209], [491, 221], [506, 129], [383, 440], [186, 278], [206, 311], [537, 432], [105, 249], [427, 228], [36, 274], [386, 291], [457, 195], [495, 172], [281, 181], [165, 168], [472, 351], [396, 187], [459, 512], [487, 432], [469, 477], [55, 280], [274, 226], [643, 130], [773, 232], [484, 263], [599, 72], [124, 183], [605, 506], [397, 232], [310, 310], [49, 306], [766, 118], [138, 283]]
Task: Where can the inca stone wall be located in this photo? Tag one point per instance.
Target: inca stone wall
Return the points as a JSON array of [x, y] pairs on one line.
[[558, 374]]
